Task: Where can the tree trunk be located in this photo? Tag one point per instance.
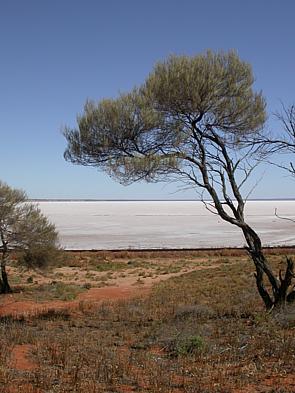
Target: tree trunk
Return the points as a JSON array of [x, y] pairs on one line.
[[4, 285], [279, 288], [283, 296]]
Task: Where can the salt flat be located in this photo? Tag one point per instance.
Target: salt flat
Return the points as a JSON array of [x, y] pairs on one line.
[[163, 224]]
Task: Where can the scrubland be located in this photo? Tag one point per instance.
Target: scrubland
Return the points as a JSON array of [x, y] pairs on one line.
[[144, 322]]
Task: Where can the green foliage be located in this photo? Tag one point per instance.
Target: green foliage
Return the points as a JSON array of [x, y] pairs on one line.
[[23, 227], [149, 133], [11, 201], [22, 224], [218, 85], [39, 257], [190, 345]]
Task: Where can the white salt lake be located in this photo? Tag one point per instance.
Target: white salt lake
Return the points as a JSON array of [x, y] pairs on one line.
[[87, 225]]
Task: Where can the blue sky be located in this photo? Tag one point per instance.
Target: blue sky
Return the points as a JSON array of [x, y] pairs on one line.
[[55, 54]]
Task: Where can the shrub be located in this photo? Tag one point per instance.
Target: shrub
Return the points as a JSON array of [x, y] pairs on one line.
[[39, 257]]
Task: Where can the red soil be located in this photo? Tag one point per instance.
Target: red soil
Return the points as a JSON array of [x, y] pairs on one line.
[[10, 306], [20, 358]]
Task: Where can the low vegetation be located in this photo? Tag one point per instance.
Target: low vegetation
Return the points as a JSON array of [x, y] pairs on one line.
[[24, 227], [205, 330]]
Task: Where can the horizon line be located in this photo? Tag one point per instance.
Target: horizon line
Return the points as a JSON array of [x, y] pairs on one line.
[[143, 200]]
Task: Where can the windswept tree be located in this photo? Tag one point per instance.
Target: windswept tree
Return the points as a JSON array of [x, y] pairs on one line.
[[188, 122], [23, 227]]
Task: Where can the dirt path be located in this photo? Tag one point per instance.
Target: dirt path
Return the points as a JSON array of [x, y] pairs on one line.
[[121, 288], [94, 295], [20, 357]]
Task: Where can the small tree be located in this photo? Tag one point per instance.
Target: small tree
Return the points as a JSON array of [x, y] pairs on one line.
[[189, 121], [22, 227]]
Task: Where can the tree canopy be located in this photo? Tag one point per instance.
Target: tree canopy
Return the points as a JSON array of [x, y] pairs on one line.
[[23, 227], [149, 133]]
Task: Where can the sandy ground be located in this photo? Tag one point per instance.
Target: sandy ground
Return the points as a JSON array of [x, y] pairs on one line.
[[120, 285], [117, 288]]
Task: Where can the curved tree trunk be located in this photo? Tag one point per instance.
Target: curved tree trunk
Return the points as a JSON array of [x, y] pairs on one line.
[[279, 293]]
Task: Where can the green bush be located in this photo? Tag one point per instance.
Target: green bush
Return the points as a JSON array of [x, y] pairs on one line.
[[186, 345], [191, 345], [39, 257]]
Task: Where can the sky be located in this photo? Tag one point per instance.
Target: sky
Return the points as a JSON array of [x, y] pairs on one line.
[[57, 54]]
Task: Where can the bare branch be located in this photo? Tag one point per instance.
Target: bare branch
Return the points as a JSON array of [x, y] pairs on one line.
[[283, 218]]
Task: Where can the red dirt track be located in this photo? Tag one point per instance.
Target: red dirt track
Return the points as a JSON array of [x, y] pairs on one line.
[[9, 306]]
